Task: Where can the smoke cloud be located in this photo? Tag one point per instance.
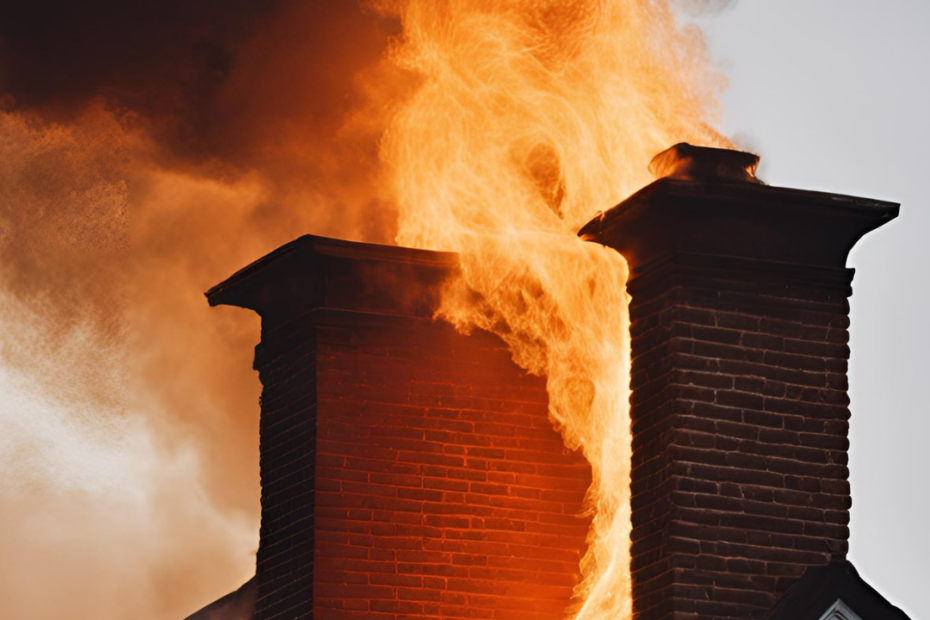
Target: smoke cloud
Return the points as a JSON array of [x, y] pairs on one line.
[[146, 151]]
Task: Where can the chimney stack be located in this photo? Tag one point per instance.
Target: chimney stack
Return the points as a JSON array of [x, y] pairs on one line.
[[739, 318], [408, 470]]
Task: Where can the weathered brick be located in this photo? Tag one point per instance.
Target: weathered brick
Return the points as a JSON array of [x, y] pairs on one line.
[[400, 459], [749, 422]]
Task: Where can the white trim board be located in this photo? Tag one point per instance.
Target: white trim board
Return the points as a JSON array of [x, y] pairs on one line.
[[840, 611]]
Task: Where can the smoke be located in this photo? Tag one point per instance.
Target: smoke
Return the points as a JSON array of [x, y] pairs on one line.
[[104, 509], [149, 149], [699, 8], [108, 497], [146, 151]]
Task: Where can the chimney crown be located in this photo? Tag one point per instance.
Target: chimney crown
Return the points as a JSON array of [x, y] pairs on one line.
[[693, 163], [702, 208]]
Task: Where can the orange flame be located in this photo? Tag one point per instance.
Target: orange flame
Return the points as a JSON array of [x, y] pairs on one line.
[[530, 116], [510, 124]]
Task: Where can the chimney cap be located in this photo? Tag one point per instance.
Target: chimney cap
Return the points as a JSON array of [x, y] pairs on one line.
[[704, 163], [694, 210], [312, 273]]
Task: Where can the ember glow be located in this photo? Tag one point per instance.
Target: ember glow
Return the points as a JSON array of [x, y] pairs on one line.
[[494, 129]]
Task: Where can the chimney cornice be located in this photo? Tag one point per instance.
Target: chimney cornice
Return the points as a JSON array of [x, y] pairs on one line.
[[739, 220], [319, 274]]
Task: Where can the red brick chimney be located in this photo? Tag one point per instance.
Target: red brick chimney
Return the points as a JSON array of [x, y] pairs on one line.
[[739, 320], [407, 470], [411, 471]]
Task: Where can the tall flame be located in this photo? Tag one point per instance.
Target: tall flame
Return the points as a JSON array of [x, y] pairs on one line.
[[130, 159], [529, 117]]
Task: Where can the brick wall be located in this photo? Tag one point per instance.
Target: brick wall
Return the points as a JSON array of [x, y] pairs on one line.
[[286, 361], [739, 405], [442, 489], [740, 425], [408, 471]]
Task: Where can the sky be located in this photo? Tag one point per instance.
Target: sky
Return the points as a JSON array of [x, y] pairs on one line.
[[835, 96]]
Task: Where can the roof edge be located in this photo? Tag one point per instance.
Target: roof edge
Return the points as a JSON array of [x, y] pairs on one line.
[[821, 586]]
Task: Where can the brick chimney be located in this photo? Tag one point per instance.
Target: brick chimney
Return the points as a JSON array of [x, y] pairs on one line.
[[739, 318], [407, 470]]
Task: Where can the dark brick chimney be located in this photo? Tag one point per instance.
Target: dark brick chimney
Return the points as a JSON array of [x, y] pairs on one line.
[[407, 470], [739, 320], [411, 471]]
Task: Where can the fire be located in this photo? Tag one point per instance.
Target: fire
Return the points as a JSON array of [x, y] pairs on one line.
[[530, 117], [503, 127]]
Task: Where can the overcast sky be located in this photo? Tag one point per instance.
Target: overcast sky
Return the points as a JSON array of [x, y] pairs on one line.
[[835, 96]]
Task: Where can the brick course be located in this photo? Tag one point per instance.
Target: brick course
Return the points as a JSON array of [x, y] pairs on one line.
[[286, 361], [740, 437], [739, 405], [407, 470], [411, 471], [442, 489]]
